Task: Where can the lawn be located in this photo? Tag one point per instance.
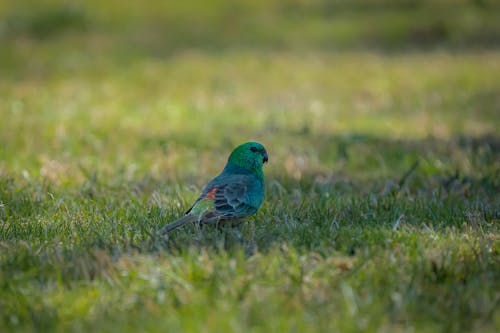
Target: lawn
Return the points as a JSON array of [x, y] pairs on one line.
[[381, 120]]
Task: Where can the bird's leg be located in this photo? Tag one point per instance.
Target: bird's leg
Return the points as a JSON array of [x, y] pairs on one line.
[[200, 220]]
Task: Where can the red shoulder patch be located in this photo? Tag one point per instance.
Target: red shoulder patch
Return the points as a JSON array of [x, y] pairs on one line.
[[211, 193]]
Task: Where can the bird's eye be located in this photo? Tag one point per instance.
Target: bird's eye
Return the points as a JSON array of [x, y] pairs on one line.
[[254, 149]]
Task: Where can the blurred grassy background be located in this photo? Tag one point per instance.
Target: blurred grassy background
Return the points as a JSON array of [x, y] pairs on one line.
[[168, 26], [113, 115]]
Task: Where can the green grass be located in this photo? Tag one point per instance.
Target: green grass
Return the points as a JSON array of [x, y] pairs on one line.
[[112, 119]]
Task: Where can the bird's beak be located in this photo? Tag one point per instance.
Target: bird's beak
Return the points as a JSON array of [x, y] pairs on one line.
[[264, 158]]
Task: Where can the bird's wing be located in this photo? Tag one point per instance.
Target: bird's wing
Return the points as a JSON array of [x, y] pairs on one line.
[[231, 198]]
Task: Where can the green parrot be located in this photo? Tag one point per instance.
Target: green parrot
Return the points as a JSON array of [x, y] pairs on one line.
[[237, 192]]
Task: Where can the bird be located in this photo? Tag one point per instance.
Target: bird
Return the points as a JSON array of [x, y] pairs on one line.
[[237, 192]]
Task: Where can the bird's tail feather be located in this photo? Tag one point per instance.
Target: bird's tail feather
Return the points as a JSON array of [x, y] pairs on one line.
[[188, 218]]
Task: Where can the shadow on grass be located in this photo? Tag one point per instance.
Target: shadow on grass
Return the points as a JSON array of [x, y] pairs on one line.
[[360, 160]]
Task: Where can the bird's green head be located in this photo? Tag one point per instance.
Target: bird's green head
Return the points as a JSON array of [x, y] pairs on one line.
[[250, 156]]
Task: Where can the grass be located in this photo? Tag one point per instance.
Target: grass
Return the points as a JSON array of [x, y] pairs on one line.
[[382, 202]]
